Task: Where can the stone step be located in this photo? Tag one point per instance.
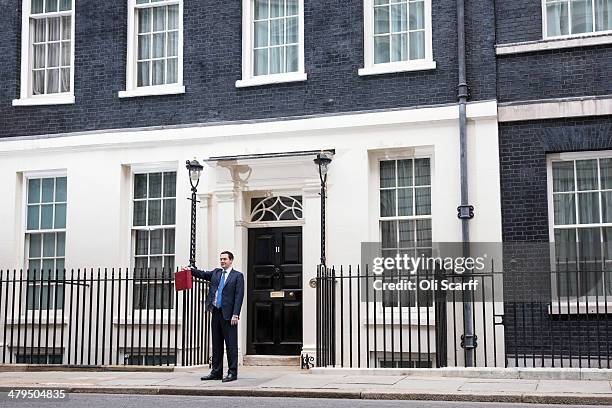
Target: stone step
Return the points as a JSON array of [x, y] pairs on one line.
[[265, 360]]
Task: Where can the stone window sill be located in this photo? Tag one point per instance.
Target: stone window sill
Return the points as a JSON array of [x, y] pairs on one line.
[[554, 44], [389, 68], [56, 99], [271, 79], [173, 89]]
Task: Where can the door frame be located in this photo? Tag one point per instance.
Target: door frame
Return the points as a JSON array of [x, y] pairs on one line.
[[249, 281]]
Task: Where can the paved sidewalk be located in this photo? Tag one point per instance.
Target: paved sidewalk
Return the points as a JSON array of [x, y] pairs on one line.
[[292, 382]]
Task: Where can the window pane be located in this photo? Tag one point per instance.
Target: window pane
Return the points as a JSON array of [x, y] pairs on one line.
[[292, 58], [387, 203], [53, 25], [277, 32], [144, 46], [260, 66], [158, 45], [143, 73], [564, 209], [292, 30], [277, 60], [557, 20], [404, 173], [399, 47], [51, 5], [40, 30], [169, 241], [589, 244], [582, 16], [33, 213], [159, 18], [423, 228], [66, 27], [140, 213], [154, 212], [33, 190], [142, 242], [53, 55], [417, 15], [61, 243], [406, 234], [563, 176], [417, 45], [169, 212], [399, 17], [65, 5], [49, 245], [381, 20], [603, 15], [47, 190], [35, 246], [60, 215], [605, 167], [65, 54], [588, 205], [33, 266], [172, 67], [277, 8], [168, 267], [156, 242], [389, 234], [155, 265], [158, 72], [565, 245], [172, 50], [170, 184], [292, 7], [261, 9], [155, 185], [586, 174], [173, 17], [144, 20], [60, 189], [53, 81], [387, 173], [37, 6], [46, 216], [39, 56], [381, 49], [404, 205], [422, 172], [65, 80], [140, 186], [38, 82], [423, 201], [261, 34], [606, 206]]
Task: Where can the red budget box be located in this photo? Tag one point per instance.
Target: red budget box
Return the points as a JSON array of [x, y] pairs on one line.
[[182, 279]]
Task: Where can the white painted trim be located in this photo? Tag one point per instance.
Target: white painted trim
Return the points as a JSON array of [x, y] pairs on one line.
[[48, 99], [248, 79], [171, 89], [560, 307], [131, 88], [404, 66], [370, 68], [555, 108], [271, 79], [139, 168], [25, 95], [183, 133], [569, 22], [587, 40], [44, 174]]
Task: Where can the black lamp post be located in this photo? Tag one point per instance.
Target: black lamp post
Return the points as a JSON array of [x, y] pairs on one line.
[[195, 169], [323, 161]]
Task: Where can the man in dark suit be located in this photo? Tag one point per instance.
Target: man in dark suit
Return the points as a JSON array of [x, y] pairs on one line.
[[224, 299]]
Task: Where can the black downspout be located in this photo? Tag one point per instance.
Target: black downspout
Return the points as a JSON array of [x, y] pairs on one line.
[[465, 211]]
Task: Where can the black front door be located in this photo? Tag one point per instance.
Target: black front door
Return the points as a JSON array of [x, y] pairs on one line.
[[274, 291]]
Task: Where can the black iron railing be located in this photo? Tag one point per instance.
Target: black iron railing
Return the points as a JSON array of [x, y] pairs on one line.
[[536, 319], [102, 317]]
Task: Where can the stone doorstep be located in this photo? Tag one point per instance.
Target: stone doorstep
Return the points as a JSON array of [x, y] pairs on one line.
[[84, 368], [593, 374], [269, 360]]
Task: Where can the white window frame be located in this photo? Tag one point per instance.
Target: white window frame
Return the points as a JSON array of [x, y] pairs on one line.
[[566, 36], [131, 86], [559, 305], [147, 168], [370, 68], [25, 94], [248, 79]]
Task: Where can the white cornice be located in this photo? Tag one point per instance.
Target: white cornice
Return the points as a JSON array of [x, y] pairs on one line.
[[555, 108], [553, 44]]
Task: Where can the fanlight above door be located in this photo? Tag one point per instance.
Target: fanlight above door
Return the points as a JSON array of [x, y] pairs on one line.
[[278, 208]]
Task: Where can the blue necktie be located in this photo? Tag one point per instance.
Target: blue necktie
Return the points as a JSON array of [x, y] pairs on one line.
[[220, 289]]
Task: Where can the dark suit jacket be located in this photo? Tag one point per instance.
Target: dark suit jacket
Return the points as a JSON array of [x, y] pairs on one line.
[[233, 290]]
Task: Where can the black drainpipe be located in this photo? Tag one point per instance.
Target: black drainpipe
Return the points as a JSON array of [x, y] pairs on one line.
[[465, 211]]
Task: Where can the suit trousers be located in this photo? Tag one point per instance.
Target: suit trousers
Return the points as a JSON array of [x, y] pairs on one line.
[[223, 331]]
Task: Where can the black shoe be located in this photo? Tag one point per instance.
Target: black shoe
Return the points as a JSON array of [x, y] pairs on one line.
[[210, 377], [229, 378]]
